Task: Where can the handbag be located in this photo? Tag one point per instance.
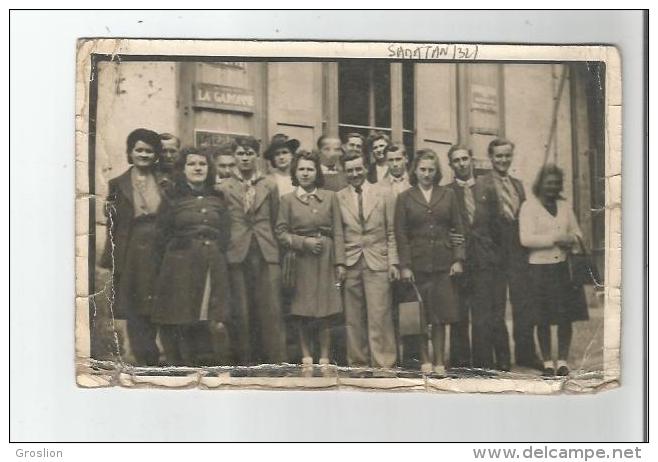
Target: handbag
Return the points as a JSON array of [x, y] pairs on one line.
[[288, 269], [582, 270], [411, 315]]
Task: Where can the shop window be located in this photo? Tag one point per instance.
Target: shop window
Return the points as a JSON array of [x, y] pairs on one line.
[[364, 106]]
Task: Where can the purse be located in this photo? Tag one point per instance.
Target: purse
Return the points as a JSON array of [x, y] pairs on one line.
[[582, 270], [288, 269], [411, 316]]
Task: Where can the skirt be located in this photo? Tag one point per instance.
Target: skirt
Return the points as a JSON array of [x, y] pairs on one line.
[[136, 284], [440, 297], [553, 298], [316, 294]]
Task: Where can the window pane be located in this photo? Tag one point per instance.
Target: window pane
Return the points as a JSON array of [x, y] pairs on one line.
[[381, 78], [408, 96], [353, 84]]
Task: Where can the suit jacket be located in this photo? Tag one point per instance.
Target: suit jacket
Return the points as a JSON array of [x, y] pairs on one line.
[[376, 240], [259, 223], [422, 230], [387, 183], [120, 211], [482, 238], [509, 248]]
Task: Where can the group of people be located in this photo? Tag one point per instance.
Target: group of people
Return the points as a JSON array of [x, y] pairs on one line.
[[307, 263]]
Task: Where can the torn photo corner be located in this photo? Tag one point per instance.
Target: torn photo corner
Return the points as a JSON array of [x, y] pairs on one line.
[[433, 217]]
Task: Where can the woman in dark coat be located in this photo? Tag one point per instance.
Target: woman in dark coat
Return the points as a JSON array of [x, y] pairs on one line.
[[424, 217], [192, 298], [310, 224], [548, 228], [134, 200]]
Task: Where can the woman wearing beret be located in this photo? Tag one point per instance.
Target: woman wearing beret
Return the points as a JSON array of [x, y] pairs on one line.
[[309, 224], [424, 217], [193, 291], [135, 198], [548, 228]]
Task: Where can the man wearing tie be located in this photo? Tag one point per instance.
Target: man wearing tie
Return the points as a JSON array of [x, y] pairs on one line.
[[367, 213], [477, 207], [378, 166], [253, 256], [512, 268]]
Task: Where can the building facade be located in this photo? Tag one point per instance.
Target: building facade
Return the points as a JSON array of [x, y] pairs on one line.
[[552, 112]]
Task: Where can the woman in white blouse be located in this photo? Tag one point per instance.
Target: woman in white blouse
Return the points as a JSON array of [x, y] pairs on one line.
[[548, 228]]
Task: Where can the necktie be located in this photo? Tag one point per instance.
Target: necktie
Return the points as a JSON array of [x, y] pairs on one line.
[[249, 195], [469, 203], [359, 195], [508, 199]]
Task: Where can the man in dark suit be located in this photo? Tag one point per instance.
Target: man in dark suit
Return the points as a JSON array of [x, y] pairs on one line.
[[253, 256], [478, 210], [512, 269], [170, 154]]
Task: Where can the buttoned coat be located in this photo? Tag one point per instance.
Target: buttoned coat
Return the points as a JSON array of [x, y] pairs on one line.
[[193, 236], [376, 239], [482, 235], [258, 223], [422, 229]]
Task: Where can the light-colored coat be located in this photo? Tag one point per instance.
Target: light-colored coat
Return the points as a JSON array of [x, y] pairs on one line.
[[376, 241], [258, 223]]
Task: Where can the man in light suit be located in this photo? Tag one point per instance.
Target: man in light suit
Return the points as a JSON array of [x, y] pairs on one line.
[[253, 256], [371, 264]]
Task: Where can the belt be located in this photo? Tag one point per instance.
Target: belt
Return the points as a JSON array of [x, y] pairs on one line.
[[316, 233]]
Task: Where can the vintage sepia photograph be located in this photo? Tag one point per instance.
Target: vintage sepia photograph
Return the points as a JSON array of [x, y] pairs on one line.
[[430, 217]]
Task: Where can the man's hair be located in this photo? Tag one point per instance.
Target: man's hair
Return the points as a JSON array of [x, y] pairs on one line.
[[168, 136], [395, 147], [424, 154], [146, 136], [458, 147], [354, 135], [247, 142], [351, 156], [313, 157], [324, 138], [498, 142]]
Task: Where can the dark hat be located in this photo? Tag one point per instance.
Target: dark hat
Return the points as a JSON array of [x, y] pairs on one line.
[[281, 141]]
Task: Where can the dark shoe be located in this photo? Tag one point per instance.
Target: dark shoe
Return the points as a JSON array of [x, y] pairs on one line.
[[548, 372], [504, 367], [563, 371], [532, 364]]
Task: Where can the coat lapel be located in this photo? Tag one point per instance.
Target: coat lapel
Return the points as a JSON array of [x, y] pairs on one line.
[[126, 185], [417, 196], [262, 192], [437, 195], [346, 200], [369, 201]]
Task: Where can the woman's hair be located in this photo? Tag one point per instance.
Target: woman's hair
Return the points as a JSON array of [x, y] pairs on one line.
[[146, 136], [311, 156], [376, 137], [204, 152], [547, 169], [424, 154]]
